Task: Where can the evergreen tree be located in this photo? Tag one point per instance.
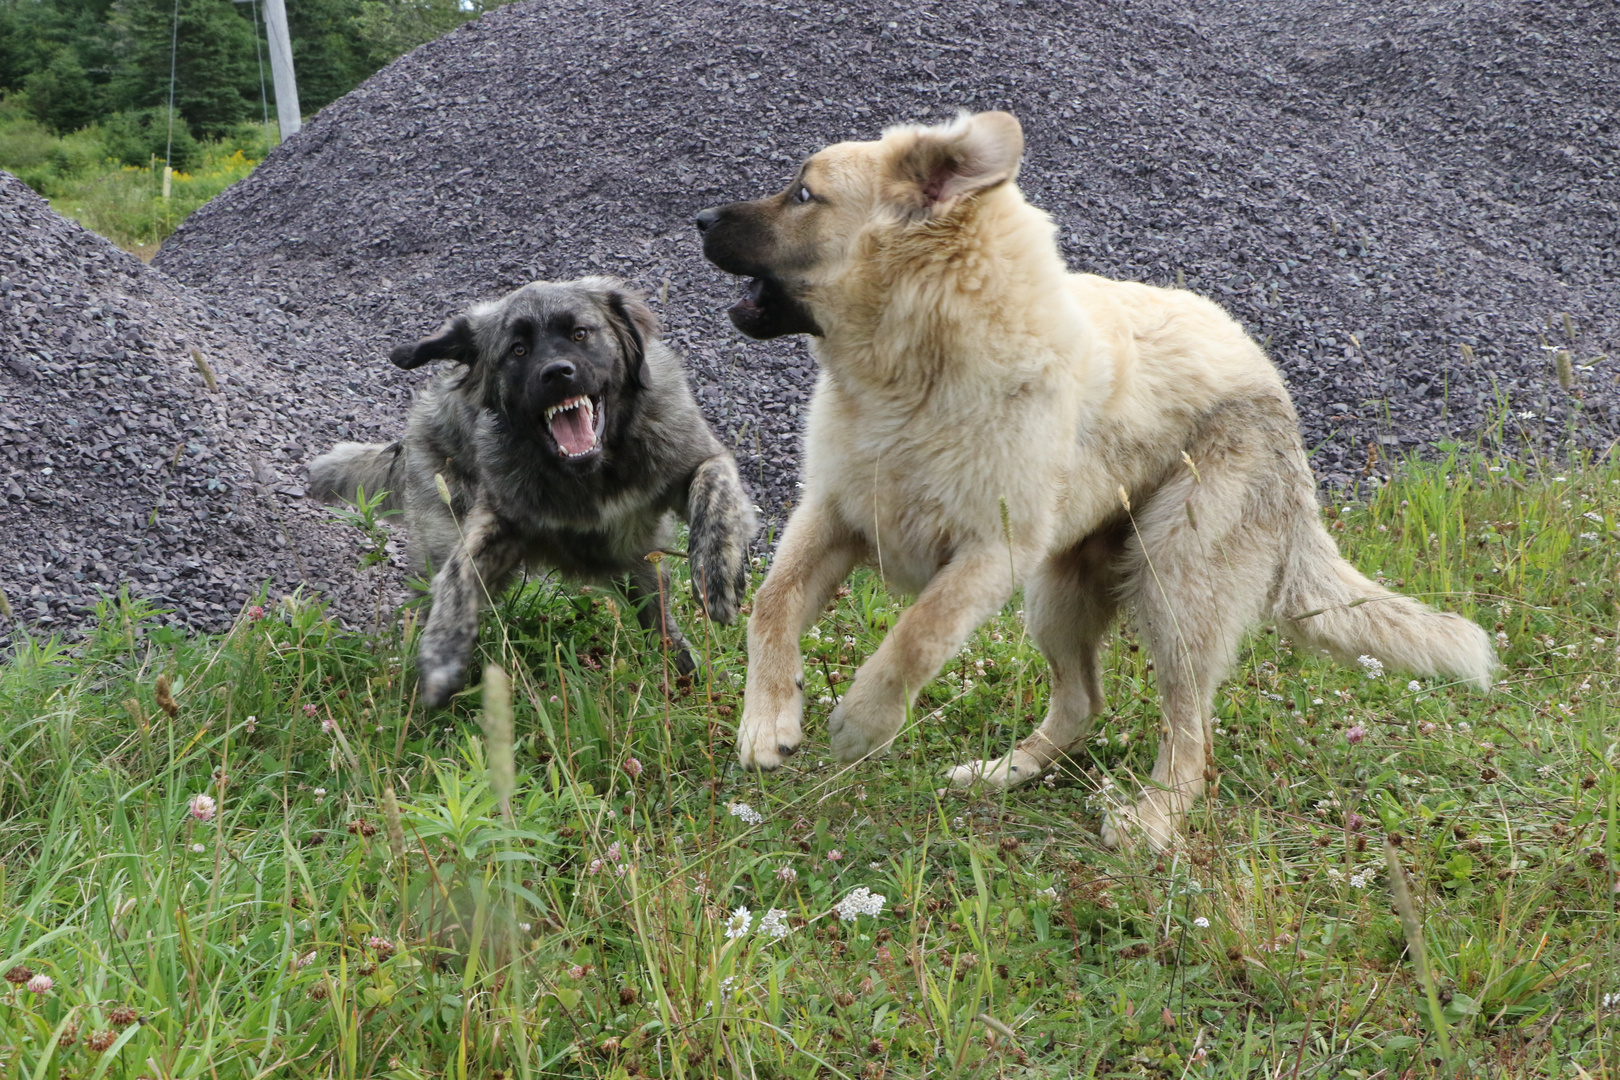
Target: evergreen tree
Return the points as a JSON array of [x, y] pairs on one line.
[[328, 52], [61, 96], [391, 28], [32, 32], [215, 73]]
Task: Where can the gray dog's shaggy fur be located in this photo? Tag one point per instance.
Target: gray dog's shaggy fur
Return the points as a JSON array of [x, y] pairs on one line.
[[566, 438]]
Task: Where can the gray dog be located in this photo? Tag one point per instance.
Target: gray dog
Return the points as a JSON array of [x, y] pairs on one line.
[[566, 437]]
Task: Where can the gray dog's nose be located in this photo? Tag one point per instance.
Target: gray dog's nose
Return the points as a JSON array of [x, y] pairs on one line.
[[560, 369], [707, 217]]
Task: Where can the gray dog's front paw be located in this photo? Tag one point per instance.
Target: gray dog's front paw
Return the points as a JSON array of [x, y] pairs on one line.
[[722, 522], [439, 685]]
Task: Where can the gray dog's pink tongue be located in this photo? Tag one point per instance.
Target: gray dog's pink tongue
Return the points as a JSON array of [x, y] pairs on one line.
[[572, 430]]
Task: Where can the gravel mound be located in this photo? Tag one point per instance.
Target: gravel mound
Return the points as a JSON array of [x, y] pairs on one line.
[[120, 464], [1368, 185]]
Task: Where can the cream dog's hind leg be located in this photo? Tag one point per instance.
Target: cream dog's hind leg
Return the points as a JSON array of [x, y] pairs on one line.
[[1071, 604]]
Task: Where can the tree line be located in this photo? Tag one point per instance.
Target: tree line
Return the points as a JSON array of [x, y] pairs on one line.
[[76, 63]]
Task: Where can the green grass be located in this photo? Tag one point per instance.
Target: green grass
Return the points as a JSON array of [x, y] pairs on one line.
[[85, 180], [584, 933]]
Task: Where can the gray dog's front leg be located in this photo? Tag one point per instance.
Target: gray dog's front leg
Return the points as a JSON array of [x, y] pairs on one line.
[[647, 589], [473, 576], [720, 521]]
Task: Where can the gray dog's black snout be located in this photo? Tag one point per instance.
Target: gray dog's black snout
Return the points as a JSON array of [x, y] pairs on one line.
[[558, 371], [707, 217]]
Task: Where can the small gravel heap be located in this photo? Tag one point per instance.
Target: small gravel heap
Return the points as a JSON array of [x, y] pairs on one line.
[[142, 443]]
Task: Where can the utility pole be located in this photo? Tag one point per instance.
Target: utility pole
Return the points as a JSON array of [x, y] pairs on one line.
[[281, 68]]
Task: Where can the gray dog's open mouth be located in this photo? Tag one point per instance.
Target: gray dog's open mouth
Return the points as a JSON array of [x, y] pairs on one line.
[[576, 425]]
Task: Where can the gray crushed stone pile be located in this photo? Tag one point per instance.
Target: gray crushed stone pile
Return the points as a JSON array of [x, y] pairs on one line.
[[1403, 199], [120, 465]]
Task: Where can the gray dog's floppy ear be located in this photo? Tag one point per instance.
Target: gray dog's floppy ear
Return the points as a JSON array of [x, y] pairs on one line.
[[634, 324], [453, 342], [973, 153]]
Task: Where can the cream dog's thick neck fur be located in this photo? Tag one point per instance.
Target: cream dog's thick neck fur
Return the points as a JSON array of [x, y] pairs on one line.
[[984, 418]]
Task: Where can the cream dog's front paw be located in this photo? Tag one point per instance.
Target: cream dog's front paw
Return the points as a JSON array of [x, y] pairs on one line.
[[1126, 827], [866, 721], [772, 728]]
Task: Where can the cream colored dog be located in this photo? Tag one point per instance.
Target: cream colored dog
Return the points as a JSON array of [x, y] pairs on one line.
[[983, 418]]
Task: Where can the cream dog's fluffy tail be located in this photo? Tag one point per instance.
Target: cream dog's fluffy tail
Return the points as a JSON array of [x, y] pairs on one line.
[[1327, 603]]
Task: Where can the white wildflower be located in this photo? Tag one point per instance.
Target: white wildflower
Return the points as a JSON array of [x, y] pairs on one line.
[[1359, 881], [1201, 922], [862, 901], [1371, 666], [1413, 687], [1050, 892], [749, 815], [1501, 640], [787, 873], [202, 808], [738, 924], [197, 849], [773, 924], [305, 960]]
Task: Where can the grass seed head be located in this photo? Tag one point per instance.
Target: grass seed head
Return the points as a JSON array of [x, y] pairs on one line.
[[396, 830], [164, 696], [496, 721], [1566, 369]]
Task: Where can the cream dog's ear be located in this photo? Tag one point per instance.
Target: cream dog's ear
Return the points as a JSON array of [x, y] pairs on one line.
[[937, 167]]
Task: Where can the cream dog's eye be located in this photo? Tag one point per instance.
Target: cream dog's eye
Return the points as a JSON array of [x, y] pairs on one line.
[[803, 195]]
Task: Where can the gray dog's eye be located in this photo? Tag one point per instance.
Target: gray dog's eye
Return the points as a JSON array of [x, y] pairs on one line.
[[580, 333], [803, 195], [519, 349]]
